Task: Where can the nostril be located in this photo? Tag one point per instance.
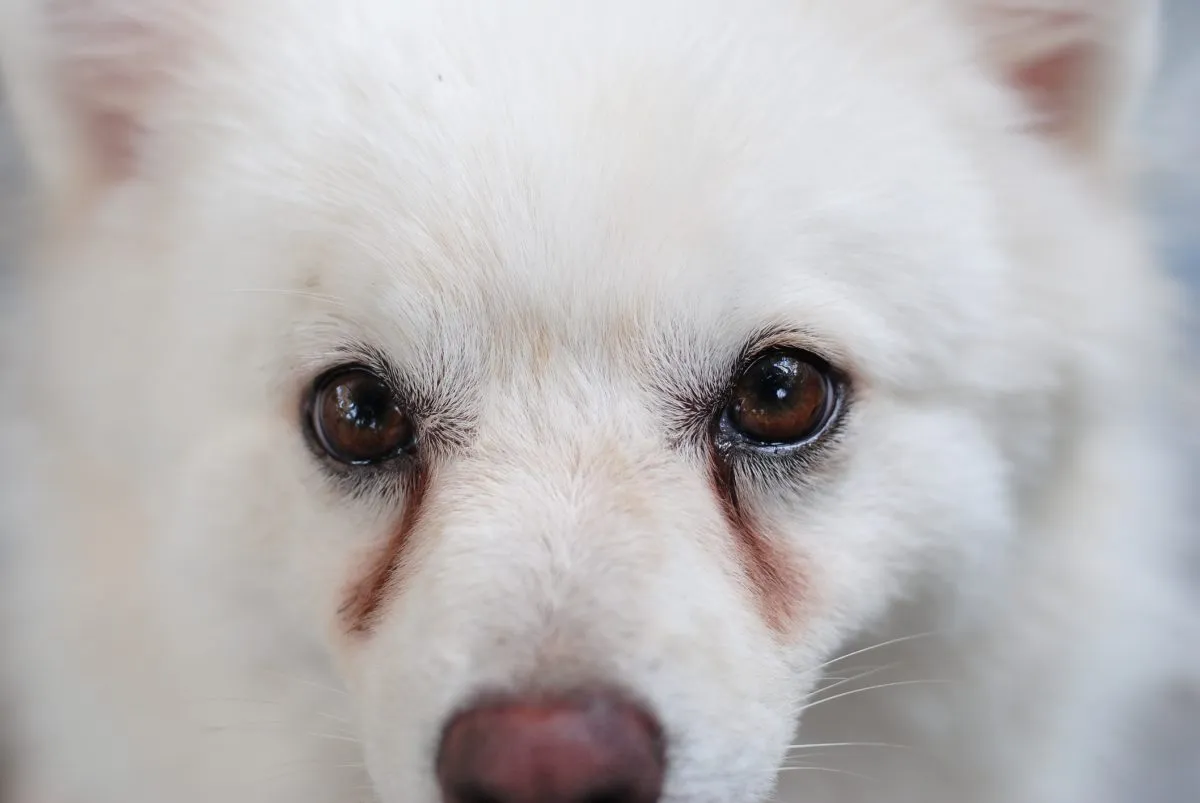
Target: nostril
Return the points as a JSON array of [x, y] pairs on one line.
[[611, 796], [587, 747], [473, 794]]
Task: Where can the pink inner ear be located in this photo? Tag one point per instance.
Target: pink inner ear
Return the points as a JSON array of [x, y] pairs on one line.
[[109, 71], [1066, 60], [1056, 86], [112, 137]]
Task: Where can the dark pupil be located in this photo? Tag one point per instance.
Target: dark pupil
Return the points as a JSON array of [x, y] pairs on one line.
[[365, 405], [775, 387]]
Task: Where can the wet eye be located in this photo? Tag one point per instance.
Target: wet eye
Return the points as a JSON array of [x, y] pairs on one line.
[[357, 420], [784, 397]]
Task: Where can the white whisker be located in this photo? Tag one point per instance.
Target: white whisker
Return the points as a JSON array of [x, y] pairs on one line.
[[334, 718], [337, 737], [878, 646], [847, 744], [866, 673], [823, 700], [814, 768]]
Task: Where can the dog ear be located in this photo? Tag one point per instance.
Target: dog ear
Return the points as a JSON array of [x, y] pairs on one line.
[[83, 78], [1079, 66]]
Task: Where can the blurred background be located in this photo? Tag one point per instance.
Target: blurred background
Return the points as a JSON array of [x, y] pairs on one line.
[[1172, 137]]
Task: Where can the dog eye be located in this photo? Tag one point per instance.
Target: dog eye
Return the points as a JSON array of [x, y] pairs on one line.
[[784, 397], [357, 419]]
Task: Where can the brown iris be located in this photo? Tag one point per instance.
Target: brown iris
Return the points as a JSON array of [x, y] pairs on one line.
[[357, 419], [784, 397]]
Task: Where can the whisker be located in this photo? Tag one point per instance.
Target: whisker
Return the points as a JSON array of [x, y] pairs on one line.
[[815, 768], [875, 670], [337, 737], [823, 700], [841, 677], [334, 718], [878, 646], [847, 744], [804, 754]]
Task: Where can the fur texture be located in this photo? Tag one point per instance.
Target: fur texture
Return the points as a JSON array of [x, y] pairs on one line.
[[560, 224]]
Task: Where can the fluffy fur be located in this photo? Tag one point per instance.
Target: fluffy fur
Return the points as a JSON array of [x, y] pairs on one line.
[[557, 219]]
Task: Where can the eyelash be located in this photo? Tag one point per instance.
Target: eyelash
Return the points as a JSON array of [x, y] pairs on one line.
[[438, 431], [388, 484], [776, 466], [696, 418]]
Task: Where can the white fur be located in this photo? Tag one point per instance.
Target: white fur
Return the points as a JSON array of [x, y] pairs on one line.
[[560, 209]]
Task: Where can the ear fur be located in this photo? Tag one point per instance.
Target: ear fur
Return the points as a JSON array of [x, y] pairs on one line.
[[1080, 67], [82, 77]]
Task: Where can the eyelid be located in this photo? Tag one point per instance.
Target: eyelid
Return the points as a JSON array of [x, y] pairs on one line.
[[788, 339]]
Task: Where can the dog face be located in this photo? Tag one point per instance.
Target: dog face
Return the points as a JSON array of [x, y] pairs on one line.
[[498, 367]]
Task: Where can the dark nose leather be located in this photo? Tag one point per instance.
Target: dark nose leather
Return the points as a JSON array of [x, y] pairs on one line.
[[586, 747]]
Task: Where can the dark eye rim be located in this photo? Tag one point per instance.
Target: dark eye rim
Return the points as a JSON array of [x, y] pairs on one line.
[[318, 442], [729, 437]]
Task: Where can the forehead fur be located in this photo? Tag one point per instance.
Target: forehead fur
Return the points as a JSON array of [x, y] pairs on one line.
[[546, 169]]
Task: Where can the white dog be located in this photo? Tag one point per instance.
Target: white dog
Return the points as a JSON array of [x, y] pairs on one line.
[[564, 401]]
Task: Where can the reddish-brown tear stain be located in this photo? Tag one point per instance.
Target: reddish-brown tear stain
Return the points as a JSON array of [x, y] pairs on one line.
[[366, 596], [775, 577]]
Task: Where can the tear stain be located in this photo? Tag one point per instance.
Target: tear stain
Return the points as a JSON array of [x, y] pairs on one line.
[[366, 597], [776, 580]]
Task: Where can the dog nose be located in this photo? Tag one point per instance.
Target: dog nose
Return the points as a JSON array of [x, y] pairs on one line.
[[593, 747]]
